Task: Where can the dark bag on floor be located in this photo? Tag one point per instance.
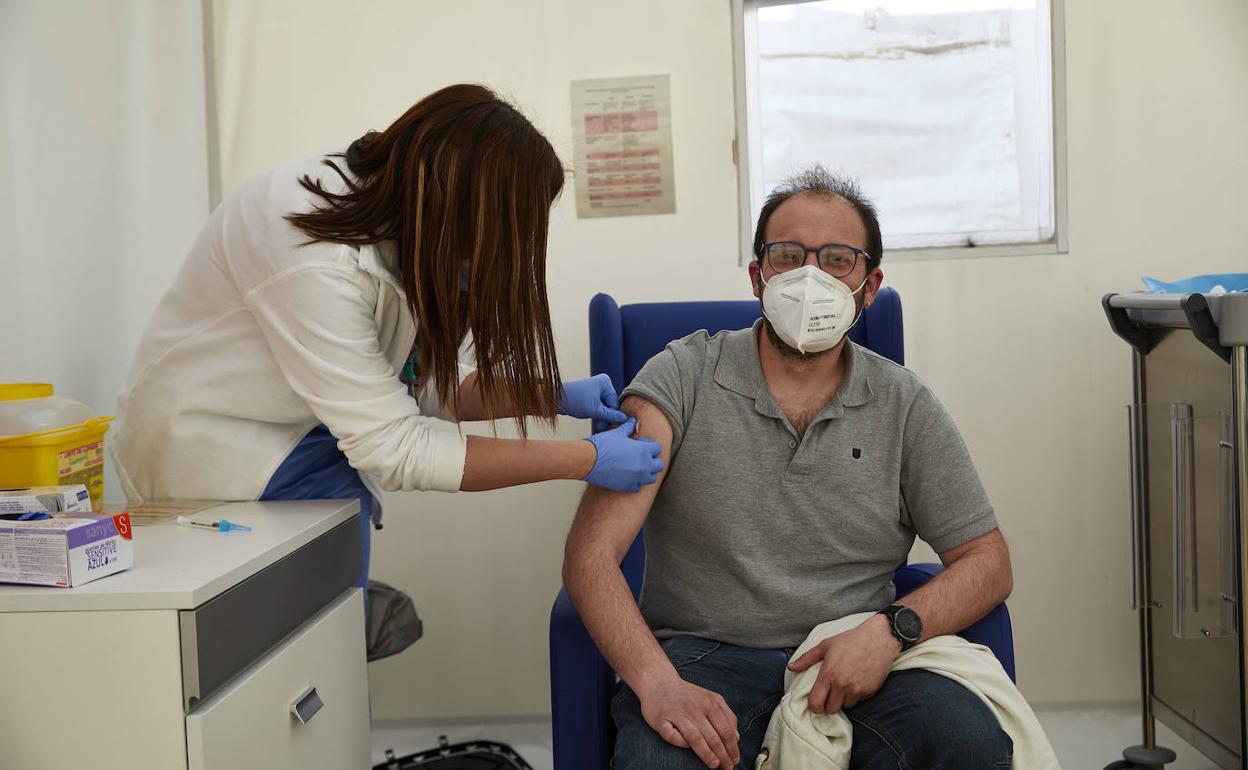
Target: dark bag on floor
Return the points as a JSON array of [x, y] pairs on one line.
[[392, 625], [470, 755]]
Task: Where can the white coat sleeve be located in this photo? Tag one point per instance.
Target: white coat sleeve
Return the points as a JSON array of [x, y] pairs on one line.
[[318, 321]]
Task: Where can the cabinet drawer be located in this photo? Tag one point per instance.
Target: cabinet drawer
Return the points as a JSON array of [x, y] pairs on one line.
[[224, 636], [252, 721]]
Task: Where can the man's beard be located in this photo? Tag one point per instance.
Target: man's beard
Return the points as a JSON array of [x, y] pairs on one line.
[[788, 351]]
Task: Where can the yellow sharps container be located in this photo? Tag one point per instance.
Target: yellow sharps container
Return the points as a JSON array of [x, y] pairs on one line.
[[46, 440]]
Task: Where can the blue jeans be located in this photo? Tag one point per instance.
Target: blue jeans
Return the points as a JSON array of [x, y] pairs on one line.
[[917, 721]]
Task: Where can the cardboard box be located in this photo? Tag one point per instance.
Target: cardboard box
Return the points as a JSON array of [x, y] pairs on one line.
[[49, 500], [67, 551]]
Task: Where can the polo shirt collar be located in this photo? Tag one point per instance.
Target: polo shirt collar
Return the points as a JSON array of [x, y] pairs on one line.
[[855, 389], [740, 371]]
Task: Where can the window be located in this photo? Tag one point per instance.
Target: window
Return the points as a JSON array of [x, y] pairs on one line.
[[943, 110]]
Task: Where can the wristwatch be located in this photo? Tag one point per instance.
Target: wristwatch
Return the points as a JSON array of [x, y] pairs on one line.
[[905, 624]]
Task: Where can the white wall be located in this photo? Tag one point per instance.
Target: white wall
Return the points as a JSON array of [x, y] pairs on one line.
[[103, 185], [1016, 347], [1020, 350]]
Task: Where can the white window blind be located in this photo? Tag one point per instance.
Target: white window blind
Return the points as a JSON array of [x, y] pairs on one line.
[[941, 108]]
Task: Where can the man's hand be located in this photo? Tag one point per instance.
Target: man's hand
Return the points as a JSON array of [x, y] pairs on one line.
[[690, 717], [855, 665]]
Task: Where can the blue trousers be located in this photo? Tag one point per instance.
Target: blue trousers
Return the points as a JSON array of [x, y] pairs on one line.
[[317, 470], [917, 721]]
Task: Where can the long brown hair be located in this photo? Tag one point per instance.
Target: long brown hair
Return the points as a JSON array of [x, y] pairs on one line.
[[461, 178]]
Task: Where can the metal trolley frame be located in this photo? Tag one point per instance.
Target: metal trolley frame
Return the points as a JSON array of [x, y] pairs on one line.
[[1188, 429]]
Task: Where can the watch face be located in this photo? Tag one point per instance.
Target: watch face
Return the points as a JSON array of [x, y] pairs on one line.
[[907, 623]]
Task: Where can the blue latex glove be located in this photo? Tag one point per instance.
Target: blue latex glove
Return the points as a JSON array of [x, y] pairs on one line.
[[624, 464], [592, 398], [1205, 284]]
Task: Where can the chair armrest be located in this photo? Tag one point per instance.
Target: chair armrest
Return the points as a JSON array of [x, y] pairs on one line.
[[994, 630], [581, 685]]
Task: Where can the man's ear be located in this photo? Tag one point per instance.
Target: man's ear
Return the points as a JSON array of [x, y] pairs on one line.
[[755, 278], [874, 281]]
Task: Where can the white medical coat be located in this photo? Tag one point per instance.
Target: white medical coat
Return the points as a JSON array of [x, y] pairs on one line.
[[261, 337]]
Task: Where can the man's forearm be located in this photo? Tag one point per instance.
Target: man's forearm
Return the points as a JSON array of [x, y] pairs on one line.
[[964, 591], [610, 614]]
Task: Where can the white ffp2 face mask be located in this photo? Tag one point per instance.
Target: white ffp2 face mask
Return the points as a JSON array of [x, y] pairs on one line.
[[809, 309]]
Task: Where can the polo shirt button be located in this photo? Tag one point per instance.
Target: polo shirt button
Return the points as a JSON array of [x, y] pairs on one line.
[[792, 444]]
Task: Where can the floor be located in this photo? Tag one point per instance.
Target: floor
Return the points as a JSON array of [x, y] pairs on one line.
[[1084, 738], [1092, 738]]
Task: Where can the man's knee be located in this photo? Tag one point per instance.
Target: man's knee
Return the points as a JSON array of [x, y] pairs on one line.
[[641, 751], [931, 721], [977, 740], [638, 747]]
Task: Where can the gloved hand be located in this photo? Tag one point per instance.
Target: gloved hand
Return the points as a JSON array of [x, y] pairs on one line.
[[593, 398], [624, 464]]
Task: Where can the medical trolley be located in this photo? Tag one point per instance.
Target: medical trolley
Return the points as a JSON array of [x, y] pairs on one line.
[[1186, 433]]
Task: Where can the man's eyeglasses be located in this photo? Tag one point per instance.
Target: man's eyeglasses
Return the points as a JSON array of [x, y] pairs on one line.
[[836, 259]]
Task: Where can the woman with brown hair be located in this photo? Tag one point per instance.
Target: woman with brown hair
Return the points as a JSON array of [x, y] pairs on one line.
[[310, 346]]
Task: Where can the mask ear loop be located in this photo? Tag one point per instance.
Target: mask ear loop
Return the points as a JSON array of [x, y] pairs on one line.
[[762, 308], [858, 316]]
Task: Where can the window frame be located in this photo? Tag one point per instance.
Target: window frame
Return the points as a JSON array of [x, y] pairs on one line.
[[1057, 244]]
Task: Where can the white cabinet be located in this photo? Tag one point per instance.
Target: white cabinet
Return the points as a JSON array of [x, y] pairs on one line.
[[252, 721], [193, 658]]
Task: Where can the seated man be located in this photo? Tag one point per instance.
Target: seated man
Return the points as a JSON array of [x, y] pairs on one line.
[[800, 469]]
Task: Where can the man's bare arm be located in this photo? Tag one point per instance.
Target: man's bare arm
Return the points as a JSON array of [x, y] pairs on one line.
[[976, 578], [606, 524]]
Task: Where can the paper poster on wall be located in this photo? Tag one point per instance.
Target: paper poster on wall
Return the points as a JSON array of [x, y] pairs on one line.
[[622, 132]]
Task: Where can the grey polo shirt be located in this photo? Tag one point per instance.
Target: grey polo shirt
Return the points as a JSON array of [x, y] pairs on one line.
[[758, 535]]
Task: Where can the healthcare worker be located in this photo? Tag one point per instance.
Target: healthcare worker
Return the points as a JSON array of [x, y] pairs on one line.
[[310, 345]]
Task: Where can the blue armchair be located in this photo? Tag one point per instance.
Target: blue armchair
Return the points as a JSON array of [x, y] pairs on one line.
[[621, 340]]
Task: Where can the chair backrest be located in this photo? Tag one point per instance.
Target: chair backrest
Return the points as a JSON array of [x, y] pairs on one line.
[[622, 339]]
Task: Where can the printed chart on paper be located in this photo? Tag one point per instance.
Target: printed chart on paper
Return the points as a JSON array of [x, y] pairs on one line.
[[622, 131]]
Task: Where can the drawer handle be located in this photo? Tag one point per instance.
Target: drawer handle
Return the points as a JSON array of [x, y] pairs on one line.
[[307, 705]]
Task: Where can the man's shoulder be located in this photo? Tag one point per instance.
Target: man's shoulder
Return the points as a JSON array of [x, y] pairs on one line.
[[889, 378], [693, 352], [701, 346], [690, 361], [901, 393]]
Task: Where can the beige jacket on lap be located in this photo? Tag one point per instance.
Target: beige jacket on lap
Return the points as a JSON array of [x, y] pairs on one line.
[[799, 739]]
